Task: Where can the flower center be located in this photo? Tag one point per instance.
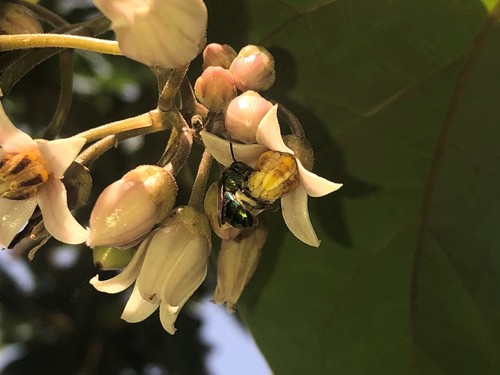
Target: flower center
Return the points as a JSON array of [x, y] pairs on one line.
[[276, 174], [21, 174]]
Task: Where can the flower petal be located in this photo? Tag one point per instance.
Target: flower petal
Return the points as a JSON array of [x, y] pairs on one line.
[[137, 308], [60, 153], [56, 215], [156, 32], [163, 246], [168, 316], [220, 149], [269, 132], [315, 185], [13, 216], [11, 138], [296, 215], [125, 278]]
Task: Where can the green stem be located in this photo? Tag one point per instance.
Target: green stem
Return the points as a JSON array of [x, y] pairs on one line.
[[200, 182], [182, 148], [65, 95], [17, 67], [147, 123], [167, 95], [25, 41]]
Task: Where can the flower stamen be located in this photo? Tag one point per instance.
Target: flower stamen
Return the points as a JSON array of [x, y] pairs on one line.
[[276, 174], [21, 174]]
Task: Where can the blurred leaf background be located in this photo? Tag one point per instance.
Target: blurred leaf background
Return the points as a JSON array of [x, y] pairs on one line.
[[400, 102]]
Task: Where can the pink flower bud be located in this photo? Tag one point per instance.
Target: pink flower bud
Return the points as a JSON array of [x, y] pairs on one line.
[[253, 69], [127, 210], [243, 115], [215, 88], [216, 54]]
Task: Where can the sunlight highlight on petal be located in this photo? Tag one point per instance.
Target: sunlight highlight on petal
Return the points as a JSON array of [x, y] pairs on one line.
[[315, 185], [60, 153], [125, 278], [137, 308], [220, 149], [13, 216], [56, 215], [296, 216], [269, 133]]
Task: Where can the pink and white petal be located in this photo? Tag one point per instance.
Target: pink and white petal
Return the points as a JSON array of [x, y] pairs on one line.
[[137, 308], [296, 215], [13, 216], [125, 278], [56, 215], [220, 149], [60, 153], [315, 185], [269, 132], [11, 138]]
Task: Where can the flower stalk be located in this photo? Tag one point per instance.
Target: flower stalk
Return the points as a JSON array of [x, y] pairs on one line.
[[26, 41]]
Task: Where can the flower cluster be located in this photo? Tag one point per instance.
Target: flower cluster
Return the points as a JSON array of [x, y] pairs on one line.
[[137, 218]]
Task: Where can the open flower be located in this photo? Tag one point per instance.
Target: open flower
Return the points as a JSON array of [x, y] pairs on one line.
[[167, 268], [294, 203], [30, 175], [162, 33]]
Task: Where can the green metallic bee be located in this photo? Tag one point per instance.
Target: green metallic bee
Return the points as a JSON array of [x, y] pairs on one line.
[[236, 205]]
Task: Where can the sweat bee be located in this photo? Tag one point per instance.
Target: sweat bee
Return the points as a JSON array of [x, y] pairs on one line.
[[236, 206]]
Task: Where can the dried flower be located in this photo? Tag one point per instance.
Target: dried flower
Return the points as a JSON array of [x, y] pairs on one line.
[[236, 264]]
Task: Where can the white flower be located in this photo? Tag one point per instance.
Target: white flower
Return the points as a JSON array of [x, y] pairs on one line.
[[294, 203], [47, 158], [163, 33], [168, 267]]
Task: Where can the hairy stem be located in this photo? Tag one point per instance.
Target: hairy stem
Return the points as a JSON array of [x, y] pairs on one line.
[[26, 41]]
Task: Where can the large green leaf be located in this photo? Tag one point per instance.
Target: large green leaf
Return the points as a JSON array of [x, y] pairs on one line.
[[401, 100]]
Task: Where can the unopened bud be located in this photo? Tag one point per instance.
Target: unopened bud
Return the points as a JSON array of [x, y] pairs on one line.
[[127, 210], [216, 54], [215, 88], [17, 19], [236, 264], [244, 114], [211, 208], [253, 69]]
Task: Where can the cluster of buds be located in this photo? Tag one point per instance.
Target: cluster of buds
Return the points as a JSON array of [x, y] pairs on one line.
[[135, 225]]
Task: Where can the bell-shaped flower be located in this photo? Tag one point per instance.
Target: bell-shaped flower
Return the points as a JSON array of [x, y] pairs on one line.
[[167, 268], [237, 261], [160, 33], [294, 203], [129, 208], [30, 175]]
